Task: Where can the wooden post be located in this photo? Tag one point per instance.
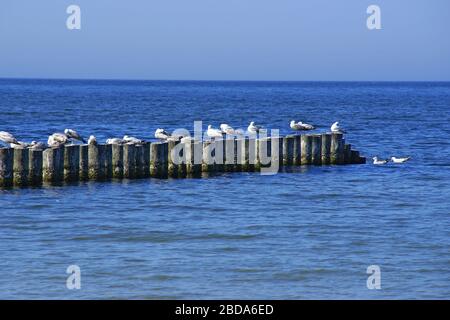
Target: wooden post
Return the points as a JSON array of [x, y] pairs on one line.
[[107, 161], [117, 161], [21, 167], [297, 151], [208, 157], [36, 163], [336, 150], [159, 159], [193, 158], [347, 153], [219, 155], [6, 167], [84, 162], [326, 147], [146, 165], [242, 154], [53, 165], [288, 150], [172, 168], [129, 162], [95, 162], [316, 149], [229, 155], [306, 152], [71, 162], [264, 153], [139, 158]]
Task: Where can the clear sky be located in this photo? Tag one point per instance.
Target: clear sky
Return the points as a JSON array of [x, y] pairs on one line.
[[226, 40]]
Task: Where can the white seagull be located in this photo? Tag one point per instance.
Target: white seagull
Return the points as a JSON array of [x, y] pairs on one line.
[[34, 145], [227, 129], [400, 160], [336, 128], [60, 137], [252, 128], [213, 133], [132, 140], [114, 141], [19, 145], [72, 134], [378, 161], [161, 134], [7, 137], [92, 141], [301, 126]]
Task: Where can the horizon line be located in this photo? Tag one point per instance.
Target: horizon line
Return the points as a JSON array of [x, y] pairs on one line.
[[205, 80]]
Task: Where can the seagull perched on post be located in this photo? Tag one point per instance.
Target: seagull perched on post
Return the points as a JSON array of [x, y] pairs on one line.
[[72, 134], [400, 160], [214, 133], [34, 145], [57, 140], [161, 134], [114, 141], [300, 126], [252, 128], [7, 137], [92, 141], [132, 140], [335, 128], [225, 128]]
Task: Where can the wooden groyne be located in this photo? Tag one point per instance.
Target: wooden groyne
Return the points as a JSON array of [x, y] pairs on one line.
[[69, 163]]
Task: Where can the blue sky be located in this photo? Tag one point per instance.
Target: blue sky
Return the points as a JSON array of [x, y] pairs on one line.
[[226, 40]]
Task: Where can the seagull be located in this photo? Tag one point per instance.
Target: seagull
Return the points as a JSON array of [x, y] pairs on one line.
[[400, 160], [19, 145], [60, 138], [188, 139], [114, 141], [213, 133], [252, 128], [72, 134], [225, 128], [161, 134], [92, 141], [336, 128], [7, 137], [57, 140], [132, 140], [379, 161], [301, 126], [34, 145]]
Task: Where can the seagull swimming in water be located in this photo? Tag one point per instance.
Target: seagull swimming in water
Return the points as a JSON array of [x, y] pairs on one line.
[[214, 133], [92, 141], [378, 161], [300, 126], [72, 134], [7, 137], [252, 128], [400, 160], [336, 128]]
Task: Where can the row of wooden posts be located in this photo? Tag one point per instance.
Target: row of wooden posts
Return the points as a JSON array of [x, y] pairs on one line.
[[27, 167]]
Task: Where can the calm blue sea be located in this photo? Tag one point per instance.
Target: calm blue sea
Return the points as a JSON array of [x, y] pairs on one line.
[[303, 235]]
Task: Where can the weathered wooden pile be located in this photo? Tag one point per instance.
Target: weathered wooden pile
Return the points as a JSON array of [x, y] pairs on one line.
[[26, 167]]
